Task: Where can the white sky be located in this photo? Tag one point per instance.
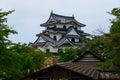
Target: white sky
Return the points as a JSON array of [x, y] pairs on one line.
[[29, 14]]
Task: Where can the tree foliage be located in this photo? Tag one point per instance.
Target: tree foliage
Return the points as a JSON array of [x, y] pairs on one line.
[[16, 60], [115, 28], [112, 47], [68, 54], [5, 31], [107, 45]]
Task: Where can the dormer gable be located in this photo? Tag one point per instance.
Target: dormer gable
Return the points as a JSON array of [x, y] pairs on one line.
[[51, 19], [72, 31]]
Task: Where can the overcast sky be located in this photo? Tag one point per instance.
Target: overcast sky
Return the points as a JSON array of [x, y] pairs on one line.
[[29, 14]]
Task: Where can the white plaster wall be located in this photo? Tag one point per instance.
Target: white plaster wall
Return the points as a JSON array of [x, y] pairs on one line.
[[41, 40], [62, 19], [68, 25], [53, 49], [58, 36], [77, 40], [45, 28], [42, 49], [59, 25], [51, 26], [47, 46], [78, 28], [51, 35], [72, 32]]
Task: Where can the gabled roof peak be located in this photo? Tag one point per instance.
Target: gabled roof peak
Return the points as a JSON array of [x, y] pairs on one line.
[[90, 57], [73, 15], [62, 16], [51, 11]]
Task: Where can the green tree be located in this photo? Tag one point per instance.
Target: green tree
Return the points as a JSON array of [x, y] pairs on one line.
[[107, 45], [112, 52], [16, 60], [6, 57], [32, 59], [115, 28], [68, 54], [112, 43], [5, 31], [94, 44]]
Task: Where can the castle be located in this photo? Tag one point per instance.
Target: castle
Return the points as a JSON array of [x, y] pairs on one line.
[[60, 32]]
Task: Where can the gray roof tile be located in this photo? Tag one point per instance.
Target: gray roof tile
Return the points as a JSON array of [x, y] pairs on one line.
[[84, 68], [61, 19]]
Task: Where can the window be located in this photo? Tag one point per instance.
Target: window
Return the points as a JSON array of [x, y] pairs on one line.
[[73, 39], [75, 28], [47, 50], [54, 26], [80, 40], [48, 27], [55, 38], [64, 27]]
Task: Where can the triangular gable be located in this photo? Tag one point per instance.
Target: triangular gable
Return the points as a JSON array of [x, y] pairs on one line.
[[72, 32], [65, 41], [46, 45], [40, 39], [89, 57], [51, 19]]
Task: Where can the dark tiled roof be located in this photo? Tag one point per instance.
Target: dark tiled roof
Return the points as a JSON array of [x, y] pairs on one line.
[[40, 44], [73, 36], [57, 30], [79, 32], [62, 20], [89, 69], [66, 45], [60, 42], [30, 44], [82, 33], [85, 68], [52, 42]]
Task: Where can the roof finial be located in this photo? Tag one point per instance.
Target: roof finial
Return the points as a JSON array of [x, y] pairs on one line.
[[51, 11], [73, 15]]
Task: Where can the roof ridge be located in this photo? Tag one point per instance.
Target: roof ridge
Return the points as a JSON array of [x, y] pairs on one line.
[[62, 15]]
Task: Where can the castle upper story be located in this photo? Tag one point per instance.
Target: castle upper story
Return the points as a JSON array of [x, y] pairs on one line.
[[60, 32]]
